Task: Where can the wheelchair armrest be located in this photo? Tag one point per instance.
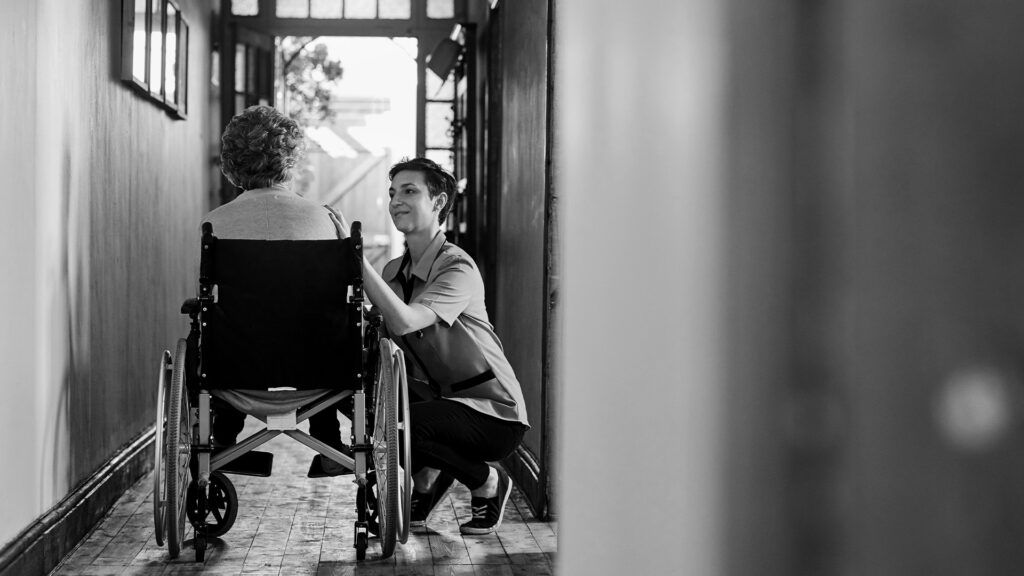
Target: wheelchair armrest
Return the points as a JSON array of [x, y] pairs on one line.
[[190, 306]]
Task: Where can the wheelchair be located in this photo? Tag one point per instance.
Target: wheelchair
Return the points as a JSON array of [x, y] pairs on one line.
[[279, 332]]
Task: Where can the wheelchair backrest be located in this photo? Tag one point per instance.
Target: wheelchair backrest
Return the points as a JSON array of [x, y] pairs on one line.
[[282, 314]]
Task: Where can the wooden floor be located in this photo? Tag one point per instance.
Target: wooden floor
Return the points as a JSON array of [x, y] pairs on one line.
[[290, 525]]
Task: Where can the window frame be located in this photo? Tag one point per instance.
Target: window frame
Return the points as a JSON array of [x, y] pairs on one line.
[[157, 21]]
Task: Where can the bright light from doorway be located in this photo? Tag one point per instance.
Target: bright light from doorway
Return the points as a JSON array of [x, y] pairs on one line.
[[372, 125]]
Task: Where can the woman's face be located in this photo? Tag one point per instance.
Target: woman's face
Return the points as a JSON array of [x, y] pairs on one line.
[[411, 207]]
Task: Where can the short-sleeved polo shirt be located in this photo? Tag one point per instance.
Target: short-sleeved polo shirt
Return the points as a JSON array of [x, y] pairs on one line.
[[460, 354]]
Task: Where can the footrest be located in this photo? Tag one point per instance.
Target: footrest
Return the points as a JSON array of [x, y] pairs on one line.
[[254, 463]]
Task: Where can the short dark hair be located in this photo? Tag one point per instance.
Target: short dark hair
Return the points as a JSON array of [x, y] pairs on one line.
[[260, 147], [438, 180]]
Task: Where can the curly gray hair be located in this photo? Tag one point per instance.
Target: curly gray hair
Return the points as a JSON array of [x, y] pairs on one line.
[[260, 147]]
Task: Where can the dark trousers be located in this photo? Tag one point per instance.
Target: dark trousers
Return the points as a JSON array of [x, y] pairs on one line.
[[458, 440], [228, 423]]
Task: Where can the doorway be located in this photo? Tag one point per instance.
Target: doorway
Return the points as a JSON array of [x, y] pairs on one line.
[[355, 98]]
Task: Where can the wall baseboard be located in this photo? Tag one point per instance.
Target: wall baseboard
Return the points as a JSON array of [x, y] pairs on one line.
[[40, 547], [525, 470]]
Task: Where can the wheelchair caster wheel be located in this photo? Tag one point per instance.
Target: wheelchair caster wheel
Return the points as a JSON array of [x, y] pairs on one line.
[[361, 544], [217, 514]]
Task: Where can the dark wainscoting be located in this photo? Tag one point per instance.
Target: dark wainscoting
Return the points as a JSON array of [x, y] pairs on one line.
[[41, 546]]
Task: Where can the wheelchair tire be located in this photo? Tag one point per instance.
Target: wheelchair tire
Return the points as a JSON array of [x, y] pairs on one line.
[[405, 459], [361, 544], [385, 449], [159, 503], [199, 543], [221, 506], [177, 449]]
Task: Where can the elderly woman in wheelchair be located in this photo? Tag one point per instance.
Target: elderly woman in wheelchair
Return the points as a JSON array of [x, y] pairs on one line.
[[277, 332]]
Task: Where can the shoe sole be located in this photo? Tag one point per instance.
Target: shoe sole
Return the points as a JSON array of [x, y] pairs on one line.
[[501, 515], [423, 523]]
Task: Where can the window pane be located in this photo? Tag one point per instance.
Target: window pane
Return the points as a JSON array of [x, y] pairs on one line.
[[183, 65], [397, 9], [245, 7], [361, 9], [433, 86], [439, 124], [325, 9], [139, 42], [239, 67], [171, 60], [214, 65], [156, 52], [440, 8], [443, 157], [438, 91], [293, 8]]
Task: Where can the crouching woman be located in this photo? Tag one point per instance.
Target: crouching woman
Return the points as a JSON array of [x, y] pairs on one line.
[[432, 301]]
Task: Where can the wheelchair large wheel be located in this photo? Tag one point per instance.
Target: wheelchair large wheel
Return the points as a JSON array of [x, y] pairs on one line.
[[405, 458], [174, 447], [159, 504], [385, 451]]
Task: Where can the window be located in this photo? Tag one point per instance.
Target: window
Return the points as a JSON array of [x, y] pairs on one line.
[[440, 9], [343, 9], [245, 7], [154, 52]]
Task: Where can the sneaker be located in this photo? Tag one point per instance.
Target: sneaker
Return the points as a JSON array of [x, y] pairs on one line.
[[423, 504], [488, 512]]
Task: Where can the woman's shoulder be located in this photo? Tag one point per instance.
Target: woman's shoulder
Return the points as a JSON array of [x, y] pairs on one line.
[[390, 270], [451, 255]]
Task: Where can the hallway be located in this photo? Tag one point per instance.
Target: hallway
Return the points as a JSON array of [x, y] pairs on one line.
[[757, 268], [290, 525]]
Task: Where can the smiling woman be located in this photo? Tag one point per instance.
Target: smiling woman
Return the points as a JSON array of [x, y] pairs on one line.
[[415, 203], [472, 410]]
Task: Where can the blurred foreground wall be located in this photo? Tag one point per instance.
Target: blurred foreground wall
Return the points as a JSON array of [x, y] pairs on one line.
[[640, 113], [927, 215], [794, 295]]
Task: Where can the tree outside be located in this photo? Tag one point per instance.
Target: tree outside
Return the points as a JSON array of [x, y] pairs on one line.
[[309, 76]]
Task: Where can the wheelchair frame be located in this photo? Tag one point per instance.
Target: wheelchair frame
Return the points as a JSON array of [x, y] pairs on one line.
[[187, 480]]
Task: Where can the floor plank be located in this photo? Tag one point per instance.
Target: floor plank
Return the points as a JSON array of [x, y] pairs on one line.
[[290, 525]]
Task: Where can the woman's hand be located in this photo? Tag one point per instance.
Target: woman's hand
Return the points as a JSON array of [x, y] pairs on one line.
[[340, 223]]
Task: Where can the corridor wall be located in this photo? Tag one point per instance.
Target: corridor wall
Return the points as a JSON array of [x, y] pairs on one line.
[[821, 366], [102, 197], [642, 87], [520, 285]]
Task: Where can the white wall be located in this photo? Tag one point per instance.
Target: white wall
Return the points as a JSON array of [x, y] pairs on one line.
[[640, 97]]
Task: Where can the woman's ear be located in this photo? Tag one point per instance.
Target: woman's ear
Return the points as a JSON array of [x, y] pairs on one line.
[[441, 201]]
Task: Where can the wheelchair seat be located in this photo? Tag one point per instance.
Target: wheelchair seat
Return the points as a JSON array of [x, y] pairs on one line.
[[264, 403]]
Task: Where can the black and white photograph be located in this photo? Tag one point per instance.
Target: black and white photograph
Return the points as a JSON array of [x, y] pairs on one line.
[[512, 288]]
